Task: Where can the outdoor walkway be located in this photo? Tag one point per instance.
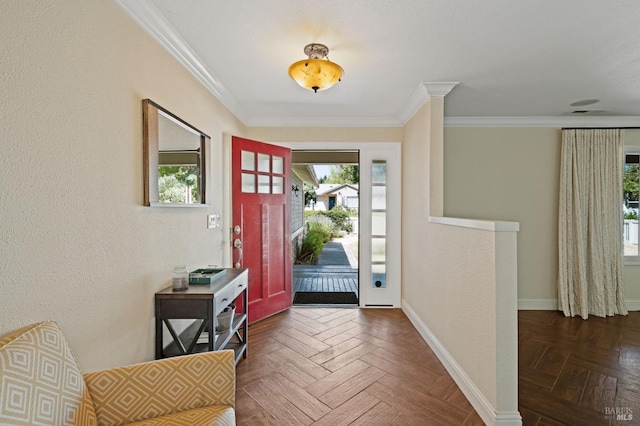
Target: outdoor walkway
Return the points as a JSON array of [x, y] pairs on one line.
[[333, 254]]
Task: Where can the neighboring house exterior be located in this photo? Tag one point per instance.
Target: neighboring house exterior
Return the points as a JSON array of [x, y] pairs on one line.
[[300, 175], [329, 195]]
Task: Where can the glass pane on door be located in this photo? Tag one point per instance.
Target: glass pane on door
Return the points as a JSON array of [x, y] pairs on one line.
[[278, 185], [264, 184], [264, 163], [248, 183], [278, 165], [248, 160]]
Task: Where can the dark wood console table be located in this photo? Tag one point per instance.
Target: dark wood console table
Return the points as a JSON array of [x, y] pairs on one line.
[[203, 303]]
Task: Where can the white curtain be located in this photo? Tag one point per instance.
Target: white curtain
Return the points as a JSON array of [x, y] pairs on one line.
[[590, 279]]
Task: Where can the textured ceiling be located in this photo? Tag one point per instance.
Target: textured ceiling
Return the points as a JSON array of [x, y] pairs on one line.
[[528, 58]]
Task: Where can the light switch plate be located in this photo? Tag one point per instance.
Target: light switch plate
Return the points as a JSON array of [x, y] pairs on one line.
[[211, 221]]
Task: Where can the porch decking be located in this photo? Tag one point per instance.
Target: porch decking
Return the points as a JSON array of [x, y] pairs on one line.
[[334, 272], [325, 278]]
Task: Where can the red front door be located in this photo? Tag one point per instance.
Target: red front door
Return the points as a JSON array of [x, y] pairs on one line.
[[261, 236]]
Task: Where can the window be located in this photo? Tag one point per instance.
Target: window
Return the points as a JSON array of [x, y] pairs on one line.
[[630, 205], [352, 201], [270, 173], [379, 224]]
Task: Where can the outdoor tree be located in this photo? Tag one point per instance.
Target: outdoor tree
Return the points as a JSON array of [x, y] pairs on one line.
[[309, 194], [343, 174], [630, 183], [173, 182]]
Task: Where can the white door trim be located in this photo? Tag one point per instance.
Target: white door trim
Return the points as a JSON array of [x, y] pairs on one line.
[[390, 152]]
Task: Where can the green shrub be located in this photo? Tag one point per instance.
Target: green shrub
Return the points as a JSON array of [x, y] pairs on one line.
[[339, 216], [320, 229], [311, 247], [631, 215], [321, 225]]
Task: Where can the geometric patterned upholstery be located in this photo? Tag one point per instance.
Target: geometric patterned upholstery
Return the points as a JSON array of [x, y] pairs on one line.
[[163, 387], [40, 382], [208, 416]]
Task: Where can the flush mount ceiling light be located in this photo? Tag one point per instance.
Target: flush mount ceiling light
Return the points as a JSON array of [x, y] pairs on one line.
[[585, 102], [317, 72]]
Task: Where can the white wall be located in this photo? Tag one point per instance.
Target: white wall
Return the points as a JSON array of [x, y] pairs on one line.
[[459, 284], [512, 174], [76, 244]]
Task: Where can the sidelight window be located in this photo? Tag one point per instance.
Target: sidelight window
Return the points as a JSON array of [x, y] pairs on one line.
[[379, 223]]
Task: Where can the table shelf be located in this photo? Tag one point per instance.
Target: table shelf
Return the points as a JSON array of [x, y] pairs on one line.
[[203, 303]]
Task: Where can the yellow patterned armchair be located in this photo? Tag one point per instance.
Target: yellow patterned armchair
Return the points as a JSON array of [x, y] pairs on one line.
[[40, 384]]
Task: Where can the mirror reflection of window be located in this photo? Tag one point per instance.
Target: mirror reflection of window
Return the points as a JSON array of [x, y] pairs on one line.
[[179, 176]]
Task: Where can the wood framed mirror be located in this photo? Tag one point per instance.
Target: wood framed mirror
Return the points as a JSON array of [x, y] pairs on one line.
[[176, 159]]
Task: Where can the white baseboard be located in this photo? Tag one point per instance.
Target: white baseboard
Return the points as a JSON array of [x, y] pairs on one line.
[[552, 304], [632, 305], [537, 304], [479, 402]]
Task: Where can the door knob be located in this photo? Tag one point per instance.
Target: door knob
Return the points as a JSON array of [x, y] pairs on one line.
[[237, 243]]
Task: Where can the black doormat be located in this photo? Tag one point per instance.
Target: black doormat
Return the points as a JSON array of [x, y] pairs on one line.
[[321, 298]]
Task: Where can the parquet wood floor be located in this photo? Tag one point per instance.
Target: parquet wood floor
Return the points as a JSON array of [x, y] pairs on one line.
[[339, 366], [577, 372]]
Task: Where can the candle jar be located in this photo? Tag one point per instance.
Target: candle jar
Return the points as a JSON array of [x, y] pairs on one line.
[[180, 279]]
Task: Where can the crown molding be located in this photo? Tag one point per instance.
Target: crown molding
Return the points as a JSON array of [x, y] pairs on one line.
[[439, 89], [290, 121], [549, 122], [419, 98], [560, 121], [149, 18], [423, 93]]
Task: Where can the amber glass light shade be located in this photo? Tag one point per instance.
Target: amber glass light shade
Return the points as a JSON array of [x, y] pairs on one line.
[[316, 73]]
